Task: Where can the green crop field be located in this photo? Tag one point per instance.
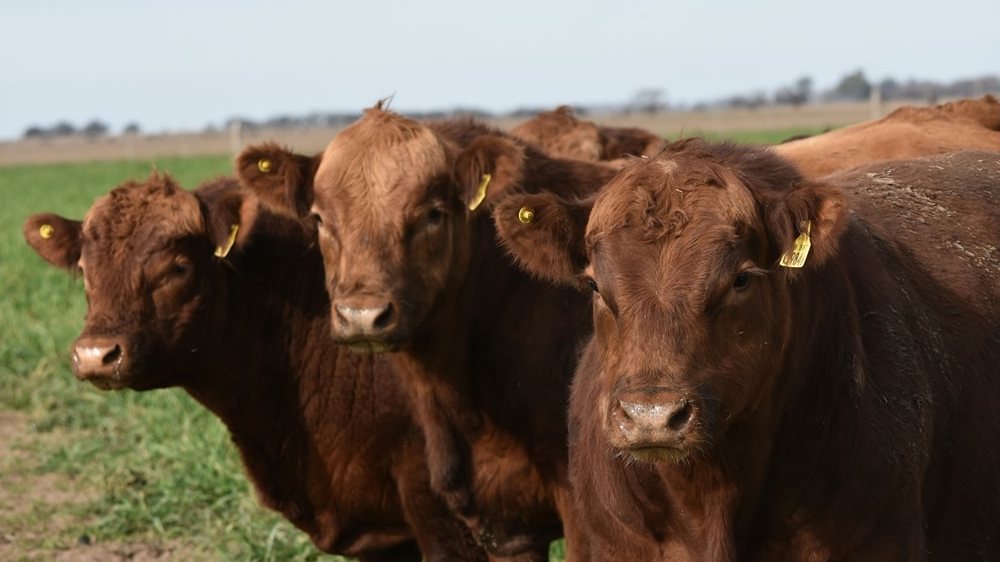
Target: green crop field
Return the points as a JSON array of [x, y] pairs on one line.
[[81, 468]]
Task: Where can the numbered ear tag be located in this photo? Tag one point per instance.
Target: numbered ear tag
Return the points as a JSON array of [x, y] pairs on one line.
[[800, 250], [480, 192], [46, 231], [526, 215], [223, 251]]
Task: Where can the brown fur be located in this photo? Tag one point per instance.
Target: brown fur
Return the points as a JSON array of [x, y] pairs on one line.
[[391, 198], [561, 134], [847, 410], [326, 436], [908, 132]]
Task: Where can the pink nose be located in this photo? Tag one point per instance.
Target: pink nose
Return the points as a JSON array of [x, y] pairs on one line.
[[96, 357], [365, 321], [654, 418]]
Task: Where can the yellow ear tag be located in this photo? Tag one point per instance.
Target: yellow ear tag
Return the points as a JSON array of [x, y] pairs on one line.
[[480, 192], [264, 165], [46, 231], [800, 250], [223, 251], [526, 215]]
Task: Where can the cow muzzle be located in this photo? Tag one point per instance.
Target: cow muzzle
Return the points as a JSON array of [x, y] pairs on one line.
[[365, 324], [654, 424], [101, 361]]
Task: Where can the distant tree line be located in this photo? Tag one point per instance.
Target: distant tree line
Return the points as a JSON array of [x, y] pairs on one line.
[[92, 129], [855, 86]]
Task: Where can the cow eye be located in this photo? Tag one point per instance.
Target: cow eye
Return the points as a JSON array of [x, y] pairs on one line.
[[592, 284], [315, 219], [742, 280], [180, 268], [435, 216]]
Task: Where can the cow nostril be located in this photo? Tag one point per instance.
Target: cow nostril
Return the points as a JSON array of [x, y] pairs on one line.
[[384, 318], [680, 419], [113, 354]]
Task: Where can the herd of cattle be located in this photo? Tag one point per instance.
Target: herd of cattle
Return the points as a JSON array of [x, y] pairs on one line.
[[444, 341]]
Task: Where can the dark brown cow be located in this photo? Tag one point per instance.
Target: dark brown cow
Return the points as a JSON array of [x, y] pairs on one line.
[[326, 435], [731, 408], [486, 351], [908, 132], [562, 135]]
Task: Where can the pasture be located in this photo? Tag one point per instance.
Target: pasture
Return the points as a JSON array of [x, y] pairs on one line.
[[92, 475]]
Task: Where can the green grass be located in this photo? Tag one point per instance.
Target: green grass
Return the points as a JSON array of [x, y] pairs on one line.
[[162, 467], [770, 136]]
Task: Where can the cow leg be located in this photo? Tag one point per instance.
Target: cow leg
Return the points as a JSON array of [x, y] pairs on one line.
[[442, 536], [577, 539]]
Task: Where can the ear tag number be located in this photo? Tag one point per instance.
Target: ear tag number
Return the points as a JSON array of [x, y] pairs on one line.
[[800, 250], [223, 251], [480, 192], [46, 231], [526, 215]]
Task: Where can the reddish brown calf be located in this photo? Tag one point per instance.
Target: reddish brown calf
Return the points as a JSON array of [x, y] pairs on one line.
[[732, 408], [562, 135], [326, 436], [486, 351]]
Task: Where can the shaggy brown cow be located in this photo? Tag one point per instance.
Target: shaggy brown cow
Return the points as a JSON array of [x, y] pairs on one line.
[[908, 132], [486, 351], [326, 435], [562, 135], [732, 408]]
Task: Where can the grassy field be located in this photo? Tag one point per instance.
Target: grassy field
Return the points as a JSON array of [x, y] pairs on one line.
[[135, 472]]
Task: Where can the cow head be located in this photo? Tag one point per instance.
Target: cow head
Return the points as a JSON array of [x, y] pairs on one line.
[[692, 313], [562, 135], [392, 200], [148, 253]]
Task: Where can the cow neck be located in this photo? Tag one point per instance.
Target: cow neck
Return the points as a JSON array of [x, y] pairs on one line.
[[277, 381], [830, 398]]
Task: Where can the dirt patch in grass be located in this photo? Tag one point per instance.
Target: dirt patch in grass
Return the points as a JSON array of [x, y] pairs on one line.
[[41, 512]]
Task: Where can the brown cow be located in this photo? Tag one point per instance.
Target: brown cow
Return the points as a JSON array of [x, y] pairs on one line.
[[485, 350], [731, 408], [908, 132], [562, 135], [326, 436]]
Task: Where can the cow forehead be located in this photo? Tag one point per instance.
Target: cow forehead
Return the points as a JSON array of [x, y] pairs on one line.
[[658, 199], [384, 162], [138, 217]]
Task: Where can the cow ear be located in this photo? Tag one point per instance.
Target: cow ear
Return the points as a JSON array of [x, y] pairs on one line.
[[55, 239], [281, 179], [229, 219], [545, 234], [806, 225], [489, 165]]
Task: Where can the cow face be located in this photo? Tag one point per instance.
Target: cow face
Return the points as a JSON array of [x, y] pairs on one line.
[[692, 311], [147, 254], [392, 201]]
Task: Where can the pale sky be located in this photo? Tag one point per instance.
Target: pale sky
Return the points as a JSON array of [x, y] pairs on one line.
[[183, 64]]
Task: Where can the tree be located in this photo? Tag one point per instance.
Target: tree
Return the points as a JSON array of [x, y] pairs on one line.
[[647, 100], [35, 132], [63, 128], [797, 94], [131, 129], [854, 86], [95, 129]]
